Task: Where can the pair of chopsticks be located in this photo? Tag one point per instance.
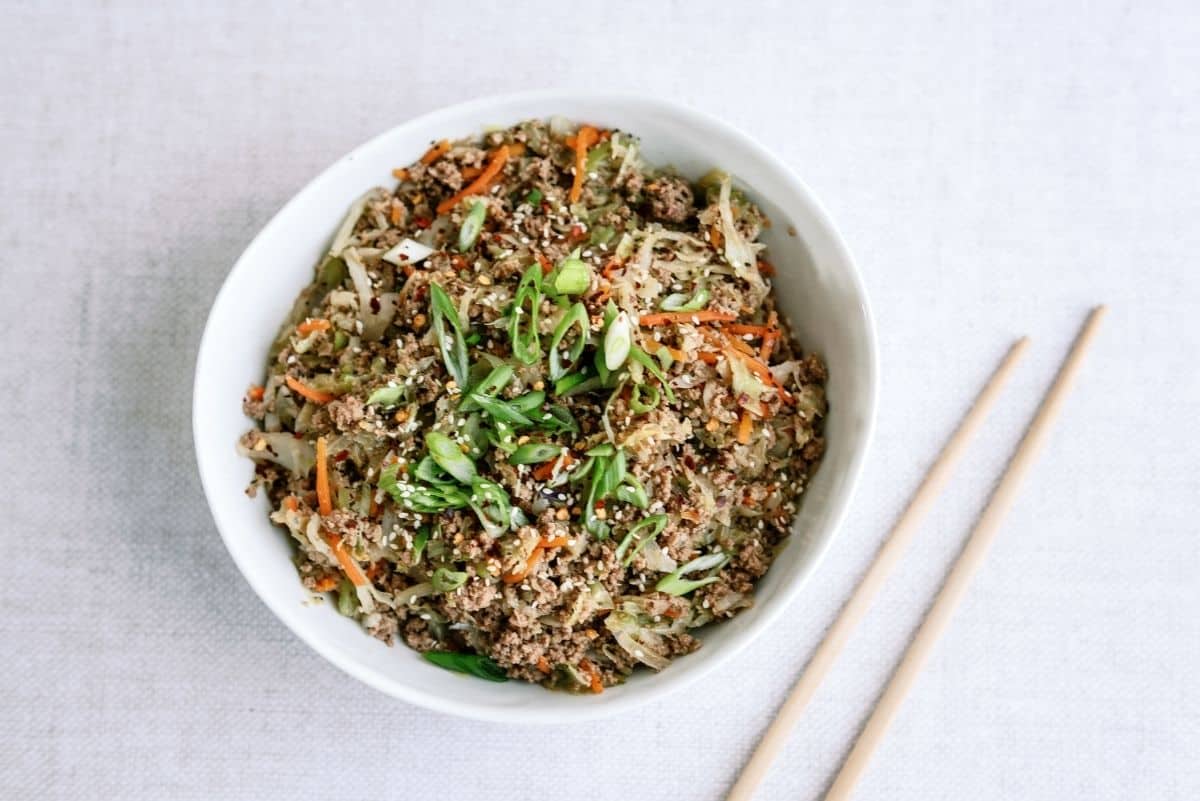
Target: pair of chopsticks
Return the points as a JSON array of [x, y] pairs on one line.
[[889, 555]]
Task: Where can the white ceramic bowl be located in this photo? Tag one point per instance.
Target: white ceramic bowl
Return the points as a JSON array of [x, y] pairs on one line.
[[819, 291]]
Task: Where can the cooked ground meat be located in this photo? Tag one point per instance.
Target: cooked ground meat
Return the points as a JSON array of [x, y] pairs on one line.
[[552, 424]]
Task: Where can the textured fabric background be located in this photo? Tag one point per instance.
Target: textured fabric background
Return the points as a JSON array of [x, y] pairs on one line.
[[996, 168]]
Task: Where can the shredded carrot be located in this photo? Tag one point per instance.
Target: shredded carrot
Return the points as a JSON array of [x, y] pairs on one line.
[[741, 347], [256, 393], [480, 184], [535, 557], [325, 583], [768, 345], [470, 173], [400, 173], [672, 613], [543, 665], [611, 268], [349, 566], [314, 395], [707, 358], [593, 676], [744, 426], [714, 235], [515, 149], [752, 330], [436, 152], [766, 268], [702, 316], [374, 569], [396, 213], [653, 346], [690, 514], [324, 496], [308, 326], [290, 503], [586, 137], [758, 368], [545, 470]]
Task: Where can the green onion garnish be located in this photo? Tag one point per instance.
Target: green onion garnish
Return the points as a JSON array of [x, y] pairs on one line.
[[652, 525], [450, 457], [639, 406], [473, 664], [529, 401], [386, 397], [500, 410], [491, 385], [617, 341], [468, 235], [492, 506], [418, 542], [682, 303], [446, 580], [641, 357], [522, 323], [675, 584], [535, 453], [573, 276], [451, 343], [534, 197], [576, 317]]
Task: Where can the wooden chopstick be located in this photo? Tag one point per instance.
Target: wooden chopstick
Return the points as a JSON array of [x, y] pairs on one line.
[[885, 561], [964, 569]]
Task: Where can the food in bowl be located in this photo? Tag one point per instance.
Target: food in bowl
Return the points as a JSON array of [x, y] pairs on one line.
[[537, 415]]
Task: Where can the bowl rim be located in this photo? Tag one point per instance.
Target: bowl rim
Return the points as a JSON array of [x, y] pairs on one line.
[[786, 595]]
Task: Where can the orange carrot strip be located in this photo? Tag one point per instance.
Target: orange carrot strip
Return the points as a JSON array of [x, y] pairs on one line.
[[314, 395], [325, 583], [743, 328], [714, 235], [471, 173], [349, 566], [400, 174], [741, 347], [290, 503], [766, 268], [586, 137], [611, 268], [768, 346], [530, 565], [651, 346], [702, 316], [308, 326], [744, 426], [543, 665], [760, 369], [707, 358], [593, 676], [256, 393], [545, 470], [436, 152], [515, 149], [479, 184], [324, 496]]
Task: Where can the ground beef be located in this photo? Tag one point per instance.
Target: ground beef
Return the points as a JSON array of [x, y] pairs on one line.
[[448, 173], [670, 199], [345, 412]]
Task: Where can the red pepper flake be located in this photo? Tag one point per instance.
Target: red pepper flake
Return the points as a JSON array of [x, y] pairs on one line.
[[576, 233], [422, 222], [341, 456]]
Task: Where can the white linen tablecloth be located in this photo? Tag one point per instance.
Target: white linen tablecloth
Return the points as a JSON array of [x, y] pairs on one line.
[[996, 167]]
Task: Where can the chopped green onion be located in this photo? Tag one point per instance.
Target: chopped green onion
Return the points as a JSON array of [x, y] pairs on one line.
[[420, 497], [603, 449], [682, 303], [534, 197], [617, 341], [340, 339], [601, 235], [526, 343], [641, 357], [502, 436], [558, 418], [576, 317], [446, 580], [637, 405], [674, 583], [632, 492], [492, 506], [482, 667], [468, 235], [491, 385], [347, 599], [534, 453], [500, 410], [529, 401], [419, 540], [428, 471], [451, 343], [449, 456], [655, 525], [573, 276], [387, 397]]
